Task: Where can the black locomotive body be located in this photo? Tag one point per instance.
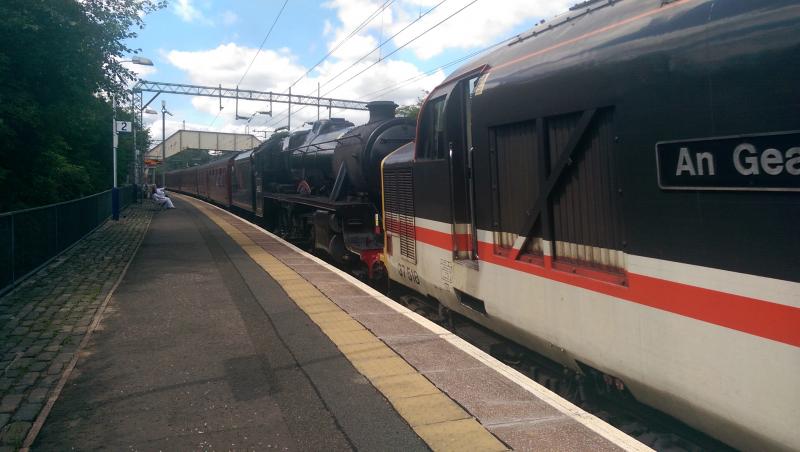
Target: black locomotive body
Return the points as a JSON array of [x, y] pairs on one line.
[[325, 192], [319, 187]]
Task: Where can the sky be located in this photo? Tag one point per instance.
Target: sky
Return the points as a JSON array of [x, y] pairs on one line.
[[213, 42]]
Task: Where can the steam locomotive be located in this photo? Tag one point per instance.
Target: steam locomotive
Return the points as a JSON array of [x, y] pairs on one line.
[[616, 189], [317, 187]]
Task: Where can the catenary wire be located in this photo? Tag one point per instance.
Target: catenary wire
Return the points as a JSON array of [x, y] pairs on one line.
[[402, 46], [283, 115], [361, 26], [389, 39], [352, 33], [394, 87], [263, 41]]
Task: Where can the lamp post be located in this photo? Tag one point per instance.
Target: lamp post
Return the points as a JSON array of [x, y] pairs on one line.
[[143, 112], [115, 138], [136, 160], [164, 114]]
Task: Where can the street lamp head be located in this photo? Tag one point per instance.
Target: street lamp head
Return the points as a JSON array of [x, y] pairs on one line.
[[150, 111], [140, 60]]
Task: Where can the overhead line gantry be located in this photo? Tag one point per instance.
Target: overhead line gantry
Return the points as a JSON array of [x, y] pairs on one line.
[[237, 93]]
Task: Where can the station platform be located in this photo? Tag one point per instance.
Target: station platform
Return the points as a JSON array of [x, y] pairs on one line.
[[221, 336]]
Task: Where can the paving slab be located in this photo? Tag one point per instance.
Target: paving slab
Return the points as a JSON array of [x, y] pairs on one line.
[[392, 324], [222, 337], [514, 409], [493, 399], [44, 319], [432, 354], [200, 349], [557, 434]]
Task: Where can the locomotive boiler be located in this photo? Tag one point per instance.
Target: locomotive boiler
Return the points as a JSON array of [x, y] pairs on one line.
[[325, 192]]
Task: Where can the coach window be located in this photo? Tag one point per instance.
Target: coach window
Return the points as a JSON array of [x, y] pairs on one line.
[[433, 133]]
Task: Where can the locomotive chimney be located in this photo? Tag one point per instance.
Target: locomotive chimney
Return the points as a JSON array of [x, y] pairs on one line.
[[381, 110]]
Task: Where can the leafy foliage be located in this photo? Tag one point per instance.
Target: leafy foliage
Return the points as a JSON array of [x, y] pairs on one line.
[[59, 66], [412, 111]]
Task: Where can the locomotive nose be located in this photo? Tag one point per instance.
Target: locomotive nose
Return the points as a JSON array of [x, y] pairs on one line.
[[381, 110]]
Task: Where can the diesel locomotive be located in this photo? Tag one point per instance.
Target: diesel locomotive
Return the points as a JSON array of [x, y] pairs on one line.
[[617, 189]]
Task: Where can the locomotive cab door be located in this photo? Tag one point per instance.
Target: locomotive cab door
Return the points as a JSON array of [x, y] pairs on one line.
[[460, 154]]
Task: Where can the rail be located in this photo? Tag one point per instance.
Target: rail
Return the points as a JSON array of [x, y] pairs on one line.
[[30, 238]]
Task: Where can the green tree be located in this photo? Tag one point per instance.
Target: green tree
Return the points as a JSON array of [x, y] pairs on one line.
[[59, 66], [412, 111]]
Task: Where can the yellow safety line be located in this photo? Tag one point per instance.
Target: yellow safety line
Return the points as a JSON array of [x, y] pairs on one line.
[[439, 421]]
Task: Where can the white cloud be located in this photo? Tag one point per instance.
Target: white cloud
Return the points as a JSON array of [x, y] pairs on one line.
[[229, 17], [188, 12], [276, 70], [273, 70], [227, 62], [139, 70], [477, 26]]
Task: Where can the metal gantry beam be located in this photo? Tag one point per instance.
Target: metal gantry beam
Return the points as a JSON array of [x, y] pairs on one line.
[[246, 94], [220, 92]]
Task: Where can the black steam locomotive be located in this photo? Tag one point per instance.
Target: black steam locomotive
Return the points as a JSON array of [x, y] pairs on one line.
[[319, 187]]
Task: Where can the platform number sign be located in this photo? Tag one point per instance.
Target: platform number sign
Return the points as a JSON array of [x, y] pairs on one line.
[[124, 126]]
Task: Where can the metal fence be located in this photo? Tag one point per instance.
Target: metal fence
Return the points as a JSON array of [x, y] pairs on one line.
[[30, 238]]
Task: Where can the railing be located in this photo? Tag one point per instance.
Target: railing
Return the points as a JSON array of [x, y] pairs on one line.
[[30, 238]]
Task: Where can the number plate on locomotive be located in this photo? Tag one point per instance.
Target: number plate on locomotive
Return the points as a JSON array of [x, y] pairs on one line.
[[768, 162]]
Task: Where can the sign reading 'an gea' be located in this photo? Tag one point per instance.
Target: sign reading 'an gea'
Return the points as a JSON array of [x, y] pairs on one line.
[[768, 162]]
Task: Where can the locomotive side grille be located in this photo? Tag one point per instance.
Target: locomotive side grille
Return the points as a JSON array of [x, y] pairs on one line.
[[399, 205], [580, 215], [585, 208], [516, 158]]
